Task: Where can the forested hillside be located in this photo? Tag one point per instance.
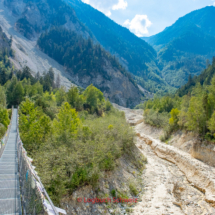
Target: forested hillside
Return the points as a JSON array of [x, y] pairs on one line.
[[204, 79], [192, 108], [184, 47], [90, 64], [138, 56]]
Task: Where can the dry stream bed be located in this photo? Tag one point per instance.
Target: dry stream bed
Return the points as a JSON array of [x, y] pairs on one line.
[[174, 182]]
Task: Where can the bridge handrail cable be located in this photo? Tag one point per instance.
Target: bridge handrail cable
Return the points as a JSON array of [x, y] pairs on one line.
[[35, 199]]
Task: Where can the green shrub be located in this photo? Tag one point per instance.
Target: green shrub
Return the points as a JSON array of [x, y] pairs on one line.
[[79, 177], [133, 189], [122, 195], [2, 130], [4, 118], [140, 106], [113, 193], [9, 113], [81, 158], [155, 118], [167, 133]]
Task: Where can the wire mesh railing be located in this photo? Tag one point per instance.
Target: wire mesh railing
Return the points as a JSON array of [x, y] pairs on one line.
[[34, 198], [4, 140]]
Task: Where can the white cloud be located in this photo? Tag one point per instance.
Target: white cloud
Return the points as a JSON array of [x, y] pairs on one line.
[[108, 13], [138, 25], [106, 6], [122, 4], [213, 4]]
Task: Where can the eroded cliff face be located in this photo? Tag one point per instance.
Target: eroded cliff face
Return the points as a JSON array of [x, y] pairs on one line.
[[34, 17]]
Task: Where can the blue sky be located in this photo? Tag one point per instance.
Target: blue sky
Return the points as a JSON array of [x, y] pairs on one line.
[[147, 17]]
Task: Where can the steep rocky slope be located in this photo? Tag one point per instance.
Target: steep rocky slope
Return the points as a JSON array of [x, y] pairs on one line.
[[26, 20], [33, 17]]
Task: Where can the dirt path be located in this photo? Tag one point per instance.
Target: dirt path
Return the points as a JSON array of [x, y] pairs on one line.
[[167, 190]]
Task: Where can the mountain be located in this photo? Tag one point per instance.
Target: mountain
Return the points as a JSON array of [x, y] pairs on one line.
[[184, 47], [136, 55], [89, 63], [27, 20]]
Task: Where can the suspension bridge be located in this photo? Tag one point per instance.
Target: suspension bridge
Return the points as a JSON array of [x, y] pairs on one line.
[[21, 191]]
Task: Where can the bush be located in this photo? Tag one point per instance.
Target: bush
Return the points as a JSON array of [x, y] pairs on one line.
[[140, 106], [167, 133], [4, 118], [133, 189], [9, 113], [80, 158], [113, 193], [2, 130], [154, 118]]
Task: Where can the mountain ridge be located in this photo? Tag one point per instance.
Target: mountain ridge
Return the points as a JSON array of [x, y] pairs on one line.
[[184, 47]]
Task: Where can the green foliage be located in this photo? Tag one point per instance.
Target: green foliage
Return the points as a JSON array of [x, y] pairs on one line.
[[77, 154], [164, 104], [204, 78], [155, 118], [71, 149], [34, 126], [61, 96], [167, 133], [173, 121], [93, 97], [211, 124], [3, 99], [140, 106], [133, 189], [193, 112], [75, 99], [66, 121], [78, 54], [113, 193], [4, 118], [2, 130]]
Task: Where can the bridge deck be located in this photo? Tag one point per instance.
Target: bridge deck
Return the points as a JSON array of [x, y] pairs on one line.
[[10, 202]]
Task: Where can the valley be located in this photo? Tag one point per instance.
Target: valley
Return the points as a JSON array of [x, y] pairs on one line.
[[103, 113]]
